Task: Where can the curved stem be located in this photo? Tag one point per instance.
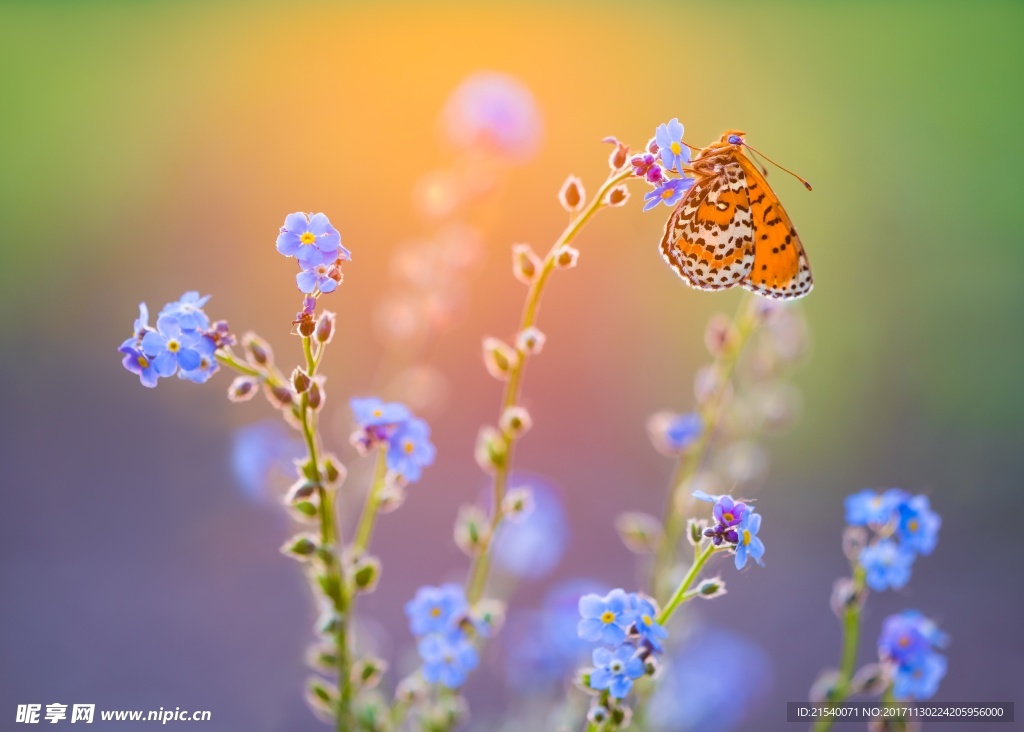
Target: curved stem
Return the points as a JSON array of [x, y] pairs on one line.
[[477, 580], [711, 412], [681, 594]]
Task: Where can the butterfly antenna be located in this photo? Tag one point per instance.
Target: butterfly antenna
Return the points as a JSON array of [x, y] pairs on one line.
[[764, 168], [806, 184]]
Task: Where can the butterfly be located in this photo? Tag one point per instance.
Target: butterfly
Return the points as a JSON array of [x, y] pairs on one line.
[[730, 229]]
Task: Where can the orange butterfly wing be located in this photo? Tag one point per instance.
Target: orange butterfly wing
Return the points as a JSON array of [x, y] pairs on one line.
[[709, 238], [780, 268]]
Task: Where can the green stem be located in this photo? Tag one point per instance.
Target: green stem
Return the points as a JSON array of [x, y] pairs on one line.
[[681, 594], [848, 658], [711, 412], [477, 580], [365, 528]]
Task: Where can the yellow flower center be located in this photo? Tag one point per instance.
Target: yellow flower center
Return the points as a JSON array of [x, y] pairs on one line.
[[143, 362], [904, 641], [647, 619], [746, 536], [435, 612], [727, 516], [377, 413], [676, 148], [408, 446], [912, 525], [308, 238], [667, 193], [173, 346], [607, 617]]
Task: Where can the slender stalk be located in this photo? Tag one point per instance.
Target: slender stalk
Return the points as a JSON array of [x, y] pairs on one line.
[[366, 521], [848, 657], [476, 582], [711, 412], [681, 594]]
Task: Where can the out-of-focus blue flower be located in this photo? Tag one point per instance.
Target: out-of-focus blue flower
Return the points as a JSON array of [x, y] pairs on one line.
[[646, 627], [541, 647], [324, 277], [921, 680], [493, 111], [170, 347], [606, 619], [918, 527], [668, 192], [188, 311], [886, 564], [729, 512], [749, 545], [262, 450], [139, 364], [410, 449], [683, 430], [706, 497], [869, 508], [908, 635], [374, 412], [208, 365], [674, 152], [532, 547], [311, 240], [616, 670], [447, 658], [689, 698], [436, 609]]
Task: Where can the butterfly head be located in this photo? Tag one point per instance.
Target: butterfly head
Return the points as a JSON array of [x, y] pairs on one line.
[[734, 137]]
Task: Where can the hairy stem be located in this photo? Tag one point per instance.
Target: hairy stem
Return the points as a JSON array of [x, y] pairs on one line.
[[848, 654], [681, 594], [364, 530], [477, 581]]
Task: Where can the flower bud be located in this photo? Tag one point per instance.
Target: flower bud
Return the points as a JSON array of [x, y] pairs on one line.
[[825, 686], [324, 327], [367, 672], [301, 490], [515, 421], [720, 336], [517, 504], [855, 538], [487, 617], [300, 380], [619, 156], [845, 596], [566, 257], [694, 531], [258, 349], [870, 679], [499, 358], [411, 690], [243, 388], [321, 698], [640, 532], [391, 497], [300, 546], [711, 588], [316, 395], [472, 530], [525, 264], [305, 512], [322, 657], [491, 449], [530, 341], [617, 196], [598, 714], [280, 396], [333, 470], [306, 326], [365, 573], [620, 717], [571, 196]]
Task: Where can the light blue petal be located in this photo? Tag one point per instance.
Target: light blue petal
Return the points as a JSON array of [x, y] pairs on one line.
[[296, 223], [306, 280], [600, 679], [154, 344], [165, 364], [591, 606], [189, 359], [288, 243]]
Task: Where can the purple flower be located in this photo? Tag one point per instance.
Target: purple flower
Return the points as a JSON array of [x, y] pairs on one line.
[[645, 166], [907, 636], [494, 111], [606, 619], [728, 512], [616, 670], [311, 240], [139, 364], [674, 152], [324, 277], [170, 347], [668, 192]]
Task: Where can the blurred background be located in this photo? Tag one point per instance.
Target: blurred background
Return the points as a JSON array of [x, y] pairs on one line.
[[150, 148]]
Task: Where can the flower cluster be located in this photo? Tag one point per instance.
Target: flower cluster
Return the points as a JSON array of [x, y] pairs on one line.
[[736, 524], [907, 647], [393, 428], [316, 245], [904, 526], [666, 153], [183, 342], [439, 618], [630, 637]]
